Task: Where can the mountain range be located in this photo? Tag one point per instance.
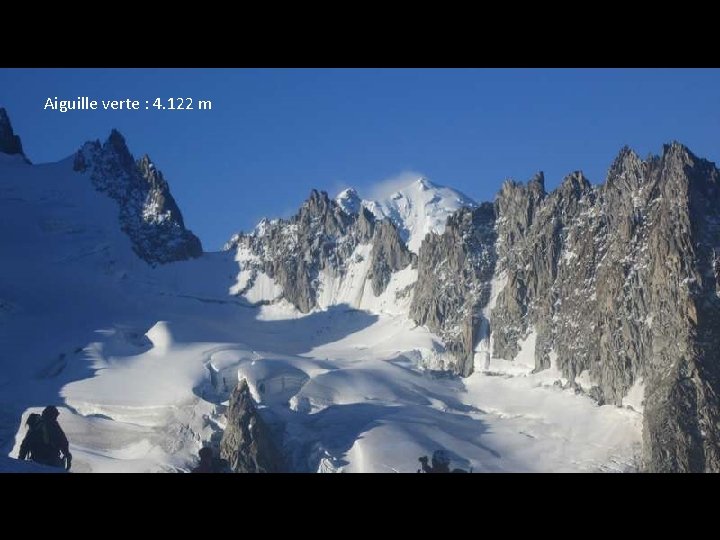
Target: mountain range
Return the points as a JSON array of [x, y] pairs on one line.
[[574, 329]]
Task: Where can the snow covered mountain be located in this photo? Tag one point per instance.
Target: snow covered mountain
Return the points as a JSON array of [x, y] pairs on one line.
[[75, 296], [348, 250], [148, 213], [615, 286], [545, 331], [498, 281], [324, 256], [416, 209]]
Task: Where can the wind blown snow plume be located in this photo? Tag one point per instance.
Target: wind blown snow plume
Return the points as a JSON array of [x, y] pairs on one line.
[[386, 188], [416, 206]]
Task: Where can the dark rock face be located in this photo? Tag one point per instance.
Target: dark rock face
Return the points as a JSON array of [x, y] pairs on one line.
[[9, 142], [548, 249], [148, 212], [389, 254], [321, 236], [454, 274], [247, 444], [682, 408], [620, 281], [350, 201]]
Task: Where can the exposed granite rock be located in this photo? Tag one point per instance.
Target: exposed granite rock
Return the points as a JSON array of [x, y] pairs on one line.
[[620, 281], [9, 142], [682, 408], [349, 201], [247, 443], [148, 212], [321, 236], [454, 274], [389, 254]]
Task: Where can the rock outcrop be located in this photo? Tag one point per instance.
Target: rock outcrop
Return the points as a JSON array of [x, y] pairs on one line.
[[349, 201], [9, 142], [455, 270], [618, 283], [389, 254], [321, 236], [148, 212], [247, 443]]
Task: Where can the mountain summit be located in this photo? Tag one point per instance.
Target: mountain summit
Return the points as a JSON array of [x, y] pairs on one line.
[[416, 209], [148, 212], [9, 142]]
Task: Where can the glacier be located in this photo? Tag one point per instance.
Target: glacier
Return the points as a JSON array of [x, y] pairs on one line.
[[140, 357]]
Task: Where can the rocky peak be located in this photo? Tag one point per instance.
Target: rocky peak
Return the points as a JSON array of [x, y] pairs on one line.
[[247, 443], [318, 203], [116, 143], [9, 142], [626, 171], [625, 159], [349, 201], [677, 162], [321, 211], [677, 150], [365, 224], [573, 188], [536, 185], [518, 203], [162, 201], [149, 214], [575, 184], [319, 242], [638, 265]]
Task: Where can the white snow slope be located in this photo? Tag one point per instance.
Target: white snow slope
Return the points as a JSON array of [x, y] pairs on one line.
[[417, 209], [126, 351]]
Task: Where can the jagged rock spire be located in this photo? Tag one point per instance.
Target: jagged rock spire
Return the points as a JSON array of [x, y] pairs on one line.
[[247, 443], [9, 142], [149, 214]]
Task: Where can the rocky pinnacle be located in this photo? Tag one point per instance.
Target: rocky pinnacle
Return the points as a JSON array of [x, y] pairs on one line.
[[147, 210], [9, 142], [247, 444]]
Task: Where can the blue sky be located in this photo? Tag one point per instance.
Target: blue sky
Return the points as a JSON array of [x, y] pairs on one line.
[[274, 134]]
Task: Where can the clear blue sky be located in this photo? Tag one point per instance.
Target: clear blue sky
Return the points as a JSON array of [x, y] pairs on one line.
[[274, 134]]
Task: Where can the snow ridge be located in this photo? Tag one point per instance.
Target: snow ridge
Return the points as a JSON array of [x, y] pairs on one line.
[[148, 212], [419, 208]]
